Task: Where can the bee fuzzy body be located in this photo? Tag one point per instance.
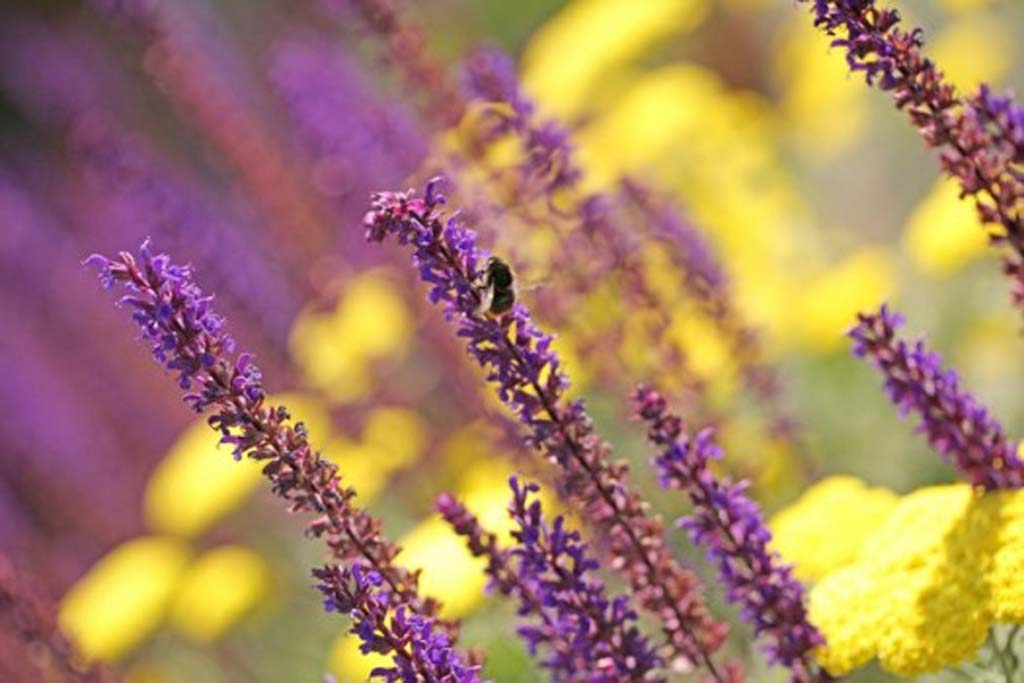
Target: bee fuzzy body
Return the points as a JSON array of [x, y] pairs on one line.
[[498, 289]]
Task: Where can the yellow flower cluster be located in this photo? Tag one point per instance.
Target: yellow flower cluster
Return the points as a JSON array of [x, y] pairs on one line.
[[125, 596], [825, 529], [928, 585], [336, 349]]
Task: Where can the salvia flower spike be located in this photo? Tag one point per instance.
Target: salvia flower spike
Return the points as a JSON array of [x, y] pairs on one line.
[[952, 420], [585, 635], [980, 138], [419, 650], [525, 371], [729, 526], [189, 338]]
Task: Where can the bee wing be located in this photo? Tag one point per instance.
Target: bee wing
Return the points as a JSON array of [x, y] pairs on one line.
[[486, 299], [531, 285]]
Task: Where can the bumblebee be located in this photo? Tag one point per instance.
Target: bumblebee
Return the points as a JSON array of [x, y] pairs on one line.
[[498, 289]]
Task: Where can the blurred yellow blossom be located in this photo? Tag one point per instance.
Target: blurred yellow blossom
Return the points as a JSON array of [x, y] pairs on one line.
[[335, 349], [573, 366], [462, 448], [217, 590], [829, 303], [727, 170], [124, 597], [198, 481], [706, 352], [771, 464], [392, 438], [825, 109], [988, 351], [1007, 568], [348, 664], [357, 465], [591, 40], [973, 49], [944, 233], [928, 584], [398, 434], [450, 572], [825, 528]]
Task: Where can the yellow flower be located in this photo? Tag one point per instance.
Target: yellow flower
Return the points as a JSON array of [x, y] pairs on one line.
[[334, 350], [928, 585], [392, 438], [825, 110], [398, 434], [450, 572], [944, 233], [825, 529], [974, 49], [123, 598], [218, 590], [591, 40], [830, 302], [198, 481], [1007, 568], [347, 663], [728, 173], [836, 607], [705, 350]]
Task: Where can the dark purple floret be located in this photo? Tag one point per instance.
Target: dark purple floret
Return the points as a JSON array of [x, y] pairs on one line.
[[952, 420], [729, 526], [420, 651], [165, 301], [519, 361], [583, 635]]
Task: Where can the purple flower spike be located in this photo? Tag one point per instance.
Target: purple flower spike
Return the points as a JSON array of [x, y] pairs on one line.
[[421, 653], [525, 371], [728, 524], [980, 139], [954, 423], [586, 637], [188, 338]]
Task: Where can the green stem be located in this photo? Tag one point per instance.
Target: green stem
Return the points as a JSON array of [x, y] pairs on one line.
[[1000, 656]]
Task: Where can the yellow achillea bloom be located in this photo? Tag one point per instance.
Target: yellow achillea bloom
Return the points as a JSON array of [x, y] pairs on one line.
[[974, 49], [826, 527], [591, 40], [831, 299], [825, 111], [335, 349], [928, 585], [217, 591], [944, 233], [123, 598], [198, 482]]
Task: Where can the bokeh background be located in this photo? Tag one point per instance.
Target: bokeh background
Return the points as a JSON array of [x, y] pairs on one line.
[[245, 136]]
